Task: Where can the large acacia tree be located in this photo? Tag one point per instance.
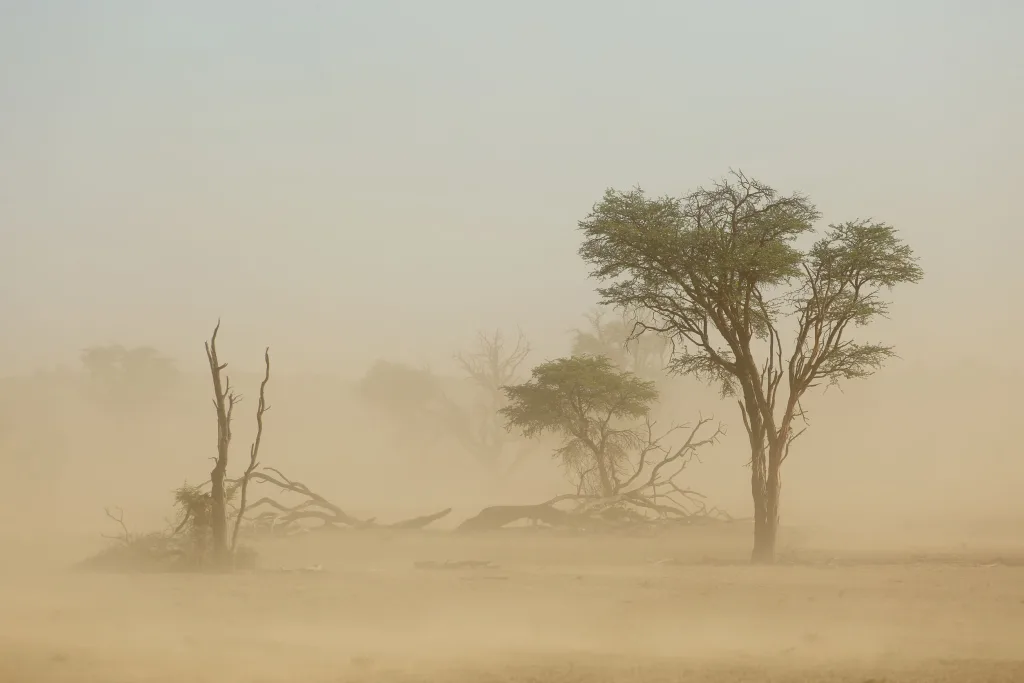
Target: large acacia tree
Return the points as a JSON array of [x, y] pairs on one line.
[[750, 303]]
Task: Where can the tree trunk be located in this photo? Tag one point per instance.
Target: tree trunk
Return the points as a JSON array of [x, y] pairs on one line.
[[224, 399], [758, 489], [218, 514], [607, 489], [765, 534], [766, 488]]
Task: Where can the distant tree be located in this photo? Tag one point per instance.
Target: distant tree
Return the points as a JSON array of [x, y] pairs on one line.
[[720, 272], [129, 377], [491, 365], [421, 405], [402, 390], [613, 338]]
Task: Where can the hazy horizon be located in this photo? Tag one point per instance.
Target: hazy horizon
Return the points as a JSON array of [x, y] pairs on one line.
[[350, 181], [347, 182], [344, 183]]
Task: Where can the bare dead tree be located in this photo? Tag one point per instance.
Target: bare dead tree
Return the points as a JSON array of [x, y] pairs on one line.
[[490, 366], [224, 401], [254, 451]]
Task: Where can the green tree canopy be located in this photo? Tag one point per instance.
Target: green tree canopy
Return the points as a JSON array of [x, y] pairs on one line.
[[589, 403]]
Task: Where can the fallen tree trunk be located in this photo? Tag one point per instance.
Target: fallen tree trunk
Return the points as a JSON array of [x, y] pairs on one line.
[[498, 516], [419, 522]]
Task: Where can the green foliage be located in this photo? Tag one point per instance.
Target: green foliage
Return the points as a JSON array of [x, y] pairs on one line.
[[720, 269], [583, 399]]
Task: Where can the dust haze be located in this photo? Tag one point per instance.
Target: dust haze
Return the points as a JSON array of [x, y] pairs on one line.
[[393, 199]]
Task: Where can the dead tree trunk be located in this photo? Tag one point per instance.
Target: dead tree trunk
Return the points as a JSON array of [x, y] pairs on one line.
[[254, 452], [224, 400]]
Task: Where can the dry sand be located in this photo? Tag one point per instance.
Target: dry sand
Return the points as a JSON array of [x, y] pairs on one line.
[[679, 607]]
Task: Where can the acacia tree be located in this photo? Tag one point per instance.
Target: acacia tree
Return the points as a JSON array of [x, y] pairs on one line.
[[420, 401], [608, 443], [413, 399], [132, 378], [719, 271], [641, 355]]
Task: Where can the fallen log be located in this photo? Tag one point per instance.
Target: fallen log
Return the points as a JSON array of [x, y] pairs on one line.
[[498, 516], [419, 522]]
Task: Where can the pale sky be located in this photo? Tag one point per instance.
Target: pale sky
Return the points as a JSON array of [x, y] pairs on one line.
[[346, 180]]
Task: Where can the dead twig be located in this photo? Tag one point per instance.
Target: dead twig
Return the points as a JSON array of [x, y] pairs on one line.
[[118, 516]]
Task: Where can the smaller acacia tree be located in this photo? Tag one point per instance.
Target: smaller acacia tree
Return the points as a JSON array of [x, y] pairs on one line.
[[603, 415]]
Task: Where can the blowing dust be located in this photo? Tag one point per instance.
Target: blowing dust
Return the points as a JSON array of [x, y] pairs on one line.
[[863, 585]]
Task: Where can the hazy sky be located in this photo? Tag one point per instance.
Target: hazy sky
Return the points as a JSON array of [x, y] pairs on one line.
[[343, 180]]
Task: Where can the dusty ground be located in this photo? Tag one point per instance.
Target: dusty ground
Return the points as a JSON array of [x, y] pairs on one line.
[[556, 608]]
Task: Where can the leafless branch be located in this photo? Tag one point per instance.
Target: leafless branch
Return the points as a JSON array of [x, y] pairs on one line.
[[118, 516], [317, 507], [254, 450]]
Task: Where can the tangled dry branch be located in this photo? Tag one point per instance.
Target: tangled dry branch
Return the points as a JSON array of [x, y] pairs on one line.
[[649, 495], [275, 517]]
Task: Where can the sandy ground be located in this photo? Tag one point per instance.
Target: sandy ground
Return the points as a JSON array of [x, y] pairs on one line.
[[681, 607]]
